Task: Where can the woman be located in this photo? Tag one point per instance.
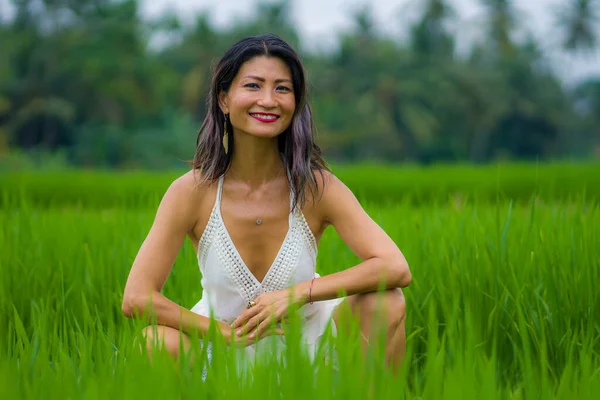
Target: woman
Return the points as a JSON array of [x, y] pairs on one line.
[[255, 205]]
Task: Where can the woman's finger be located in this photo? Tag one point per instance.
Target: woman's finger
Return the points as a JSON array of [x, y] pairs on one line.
[[245, 316], [251, 324], [270, 331], [262, 327]]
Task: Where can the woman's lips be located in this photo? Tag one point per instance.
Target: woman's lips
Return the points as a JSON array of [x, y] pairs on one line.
[[265, 118]]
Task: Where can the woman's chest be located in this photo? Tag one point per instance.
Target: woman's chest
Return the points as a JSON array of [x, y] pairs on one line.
[[222, 267], [257, 238], [258, 262]]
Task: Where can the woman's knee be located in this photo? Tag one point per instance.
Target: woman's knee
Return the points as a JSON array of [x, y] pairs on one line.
[[389, 305], [397, 303], [158, 337]]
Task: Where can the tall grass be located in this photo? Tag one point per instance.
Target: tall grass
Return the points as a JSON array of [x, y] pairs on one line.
[[504, 303], [385, 185]]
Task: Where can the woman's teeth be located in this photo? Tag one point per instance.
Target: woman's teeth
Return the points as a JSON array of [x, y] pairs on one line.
[[263, 116]]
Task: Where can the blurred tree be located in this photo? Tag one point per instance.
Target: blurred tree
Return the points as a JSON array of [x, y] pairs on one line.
[[345, 103], [78, 61], [586, 102], [93, 77], [191, 62], [430, 36], [518, 115], [580, 21], [390, 89], [274, 17], [500, 23]]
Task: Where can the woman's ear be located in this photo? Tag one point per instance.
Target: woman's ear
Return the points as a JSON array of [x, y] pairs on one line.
[[223, 102]]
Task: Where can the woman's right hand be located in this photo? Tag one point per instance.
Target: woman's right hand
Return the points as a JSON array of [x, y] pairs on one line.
[[243, 341]]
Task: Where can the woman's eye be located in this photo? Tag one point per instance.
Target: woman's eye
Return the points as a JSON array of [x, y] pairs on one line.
[[256, 86]]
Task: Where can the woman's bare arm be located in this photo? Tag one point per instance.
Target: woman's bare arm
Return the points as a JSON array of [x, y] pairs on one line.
[[383, 262], [175, 217]]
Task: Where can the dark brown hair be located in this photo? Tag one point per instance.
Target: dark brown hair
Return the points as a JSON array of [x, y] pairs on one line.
[[297, 149]]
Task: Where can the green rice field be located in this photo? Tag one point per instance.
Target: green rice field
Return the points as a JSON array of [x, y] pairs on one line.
[[504, 303]]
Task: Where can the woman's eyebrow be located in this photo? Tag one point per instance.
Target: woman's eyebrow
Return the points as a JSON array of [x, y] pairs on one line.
[[258, 78]]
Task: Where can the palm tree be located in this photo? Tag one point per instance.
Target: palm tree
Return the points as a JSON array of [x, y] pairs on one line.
[[430, 35], [579, 20], [275, 17], [502, 19], [519, 110], [587, 107], [399, 85]]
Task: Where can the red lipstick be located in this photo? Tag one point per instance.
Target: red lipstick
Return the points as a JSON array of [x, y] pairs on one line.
[[266, 118]]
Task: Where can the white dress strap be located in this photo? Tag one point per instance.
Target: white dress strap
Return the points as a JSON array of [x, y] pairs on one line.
[[219, 191], [292, 214], [211, 228]]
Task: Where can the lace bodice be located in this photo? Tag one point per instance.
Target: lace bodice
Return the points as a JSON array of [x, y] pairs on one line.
[[229, 284]]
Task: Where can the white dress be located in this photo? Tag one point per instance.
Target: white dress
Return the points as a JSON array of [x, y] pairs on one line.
[[228, 285]]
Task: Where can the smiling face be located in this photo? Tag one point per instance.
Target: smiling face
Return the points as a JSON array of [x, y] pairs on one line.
[[260, 101]]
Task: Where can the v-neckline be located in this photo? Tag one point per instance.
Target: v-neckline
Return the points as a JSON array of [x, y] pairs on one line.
[[237, 254]]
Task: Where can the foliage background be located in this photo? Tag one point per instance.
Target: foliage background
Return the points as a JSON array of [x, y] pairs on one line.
[[84, 83]]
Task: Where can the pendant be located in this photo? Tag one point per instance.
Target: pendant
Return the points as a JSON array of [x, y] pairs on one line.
[[258, 221]]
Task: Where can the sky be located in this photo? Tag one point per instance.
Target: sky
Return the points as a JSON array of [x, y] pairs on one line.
[[320, 21]]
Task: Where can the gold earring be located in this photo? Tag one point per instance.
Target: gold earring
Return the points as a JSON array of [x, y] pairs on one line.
[[225, 136]]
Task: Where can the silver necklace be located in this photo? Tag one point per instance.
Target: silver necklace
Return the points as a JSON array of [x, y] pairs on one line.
[[259, 221]]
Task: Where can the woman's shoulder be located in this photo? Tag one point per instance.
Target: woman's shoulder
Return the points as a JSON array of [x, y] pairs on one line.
[[326, 181], [189, 188], [323, 190], [186, 201], [331, 192]]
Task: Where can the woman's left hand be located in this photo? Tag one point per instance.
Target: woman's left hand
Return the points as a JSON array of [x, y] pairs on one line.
[[269, 309]]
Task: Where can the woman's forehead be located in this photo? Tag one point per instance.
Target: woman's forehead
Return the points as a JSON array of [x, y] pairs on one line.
[[268, 68]]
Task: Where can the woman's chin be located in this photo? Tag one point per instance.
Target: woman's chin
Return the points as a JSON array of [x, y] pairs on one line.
[[264, 133]]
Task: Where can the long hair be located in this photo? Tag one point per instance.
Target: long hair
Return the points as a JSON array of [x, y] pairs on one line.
[[297, 149]]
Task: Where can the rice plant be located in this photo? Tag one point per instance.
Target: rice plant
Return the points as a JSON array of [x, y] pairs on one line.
[[504, 304]]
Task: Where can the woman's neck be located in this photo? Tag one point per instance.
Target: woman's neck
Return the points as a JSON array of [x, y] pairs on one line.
[[256, 161]]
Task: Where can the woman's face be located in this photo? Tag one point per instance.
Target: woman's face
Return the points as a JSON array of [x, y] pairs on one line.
[[260, 101]]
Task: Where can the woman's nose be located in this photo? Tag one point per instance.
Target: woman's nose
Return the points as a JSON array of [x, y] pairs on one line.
[[267, 99]]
